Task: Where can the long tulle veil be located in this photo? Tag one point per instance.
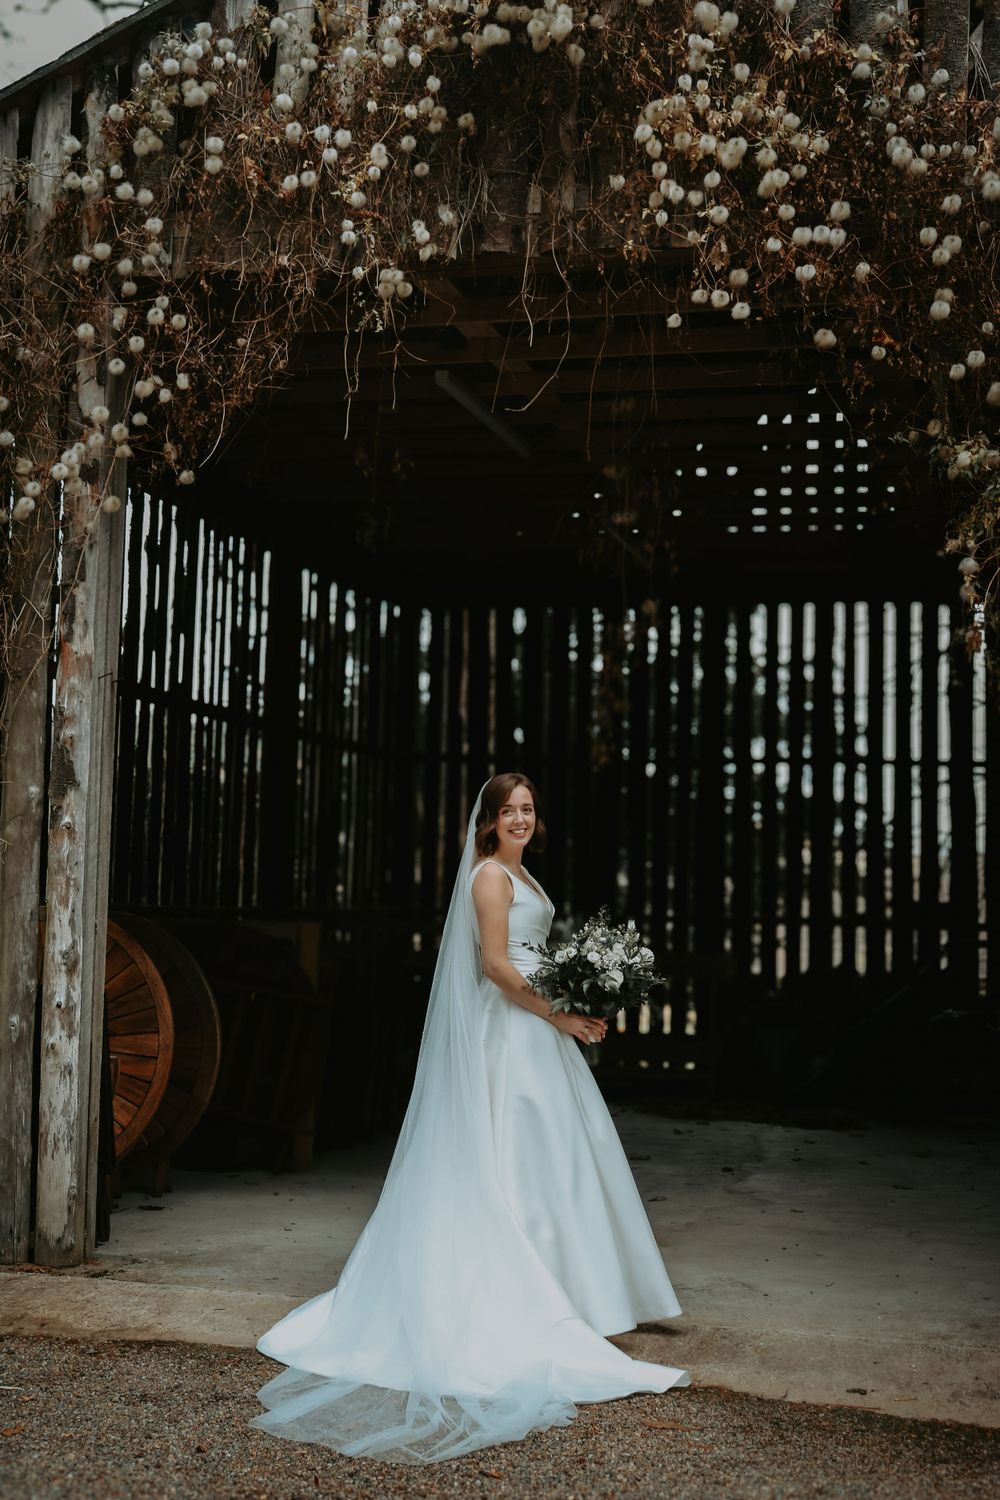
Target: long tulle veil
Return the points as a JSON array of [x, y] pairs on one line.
[[445, 1332]]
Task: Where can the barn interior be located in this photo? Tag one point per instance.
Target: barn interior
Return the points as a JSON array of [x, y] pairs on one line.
[[689, 584]]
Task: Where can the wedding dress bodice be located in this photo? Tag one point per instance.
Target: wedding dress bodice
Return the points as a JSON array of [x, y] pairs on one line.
[[528, 920]]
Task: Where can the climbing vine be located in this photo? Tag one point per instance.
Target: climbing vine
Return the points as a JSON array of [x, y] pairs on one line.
[[256, 184]]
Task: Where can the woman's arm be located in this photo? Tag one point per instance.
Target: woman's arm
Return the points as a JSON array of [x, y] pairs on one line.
[[491, 893]]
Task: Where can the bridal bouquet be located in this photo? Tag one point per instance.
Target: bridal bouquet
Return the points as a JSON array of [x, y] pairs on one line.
[[598, 970]]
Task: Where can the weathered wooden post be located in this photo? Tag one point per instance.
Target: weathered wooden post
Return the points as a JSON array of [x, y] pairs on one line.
[[946, 26], [22, 753], [990, 44], [80, 794]]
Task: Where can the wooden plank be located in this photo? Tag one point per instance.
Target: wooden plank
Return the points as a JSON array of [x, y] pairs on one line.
[[876, 894], [794, 807], [821, 807], [946, 40], [903, 915], [9, 130], [24, 715], [771, 810], [849, 838], [928, 907], [80, 794], [963, 883]]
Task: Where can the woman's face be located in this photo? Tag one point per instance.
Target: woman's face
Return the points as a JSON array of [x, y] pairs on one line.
[[515, 823]]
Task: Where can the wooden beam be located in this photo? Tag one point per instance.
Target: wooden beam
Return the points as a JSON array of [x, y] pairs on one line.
[[81, 778], [772, 380], [946, 39], [22, 768]]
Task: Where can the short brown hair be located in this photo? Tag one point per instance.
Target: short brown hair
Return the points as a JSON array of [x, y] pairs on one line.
[[495, 793]]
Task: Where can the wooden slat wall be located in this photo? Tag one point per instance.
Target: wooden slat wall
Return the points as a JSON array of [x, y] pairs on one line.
[[790, 783]]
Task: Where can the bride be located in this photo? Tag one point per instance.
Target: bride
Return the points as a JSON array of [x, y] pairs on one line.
[[509, 1240]]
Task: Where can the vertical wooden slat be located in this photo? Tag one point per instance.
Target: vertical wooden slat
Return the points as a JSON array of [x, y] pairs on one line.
[[963, 892], [280, 730], [928, 911], [991, 41], [24, 713], [902, 808], [432, 764], [559, 761], [794, 813], [946, 37], [708, 815], [821, 804], [849, 812], [875, 879], [770, 810], [80, 789]]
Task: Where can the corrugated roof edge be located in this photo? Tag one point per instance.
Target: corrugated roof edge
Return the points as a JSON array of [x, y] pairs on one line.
[[14, 93]]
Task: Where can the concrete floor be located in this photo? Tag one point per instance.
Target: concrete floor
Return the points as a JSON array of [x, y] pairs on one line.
[[856, 1266]]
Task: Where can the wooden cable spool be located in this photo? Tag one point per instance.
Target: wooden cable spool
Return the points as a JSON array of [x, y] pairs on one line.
[[164, 1037], [197, 1049], [140, 1032]]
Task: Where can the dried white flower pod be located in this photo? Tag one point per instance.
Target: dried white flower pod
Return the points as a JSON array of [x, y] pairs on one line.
[[957, 372], [720, 298], [59, 472], [144, 388], [951, 204], [290, 183], [421, 169], [99, 414], [806, 272], [70, 145], [975, 359], [129, 288], [154, 317], [182, 381], [357, 199], [862, 271], [33, 489], [308, 178], [878, 351], [138, 419], [699, 296], [119, 432], [81, 263], [928, 236], [825, 338], [165, 394], [23, 466], [116, 366], [940, 310], [740, 311], [675, 320], [23, 506], [144, 197], [773, 244], [86, 333], [6, 438], [342, 139], [466, 121], [111, 503]]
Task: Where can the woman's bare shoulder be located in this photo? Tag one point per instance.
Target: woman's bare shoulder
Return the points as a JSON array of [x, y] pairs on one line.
[[492, 880]]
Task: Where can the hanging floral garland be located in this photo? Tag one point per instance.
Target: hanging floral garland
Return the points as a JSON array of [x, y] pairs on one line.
[[251, 182]]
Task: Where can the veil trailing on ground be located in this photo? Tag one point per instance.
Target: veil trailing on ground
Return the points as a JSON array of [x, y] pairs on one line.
[[446, 1331]]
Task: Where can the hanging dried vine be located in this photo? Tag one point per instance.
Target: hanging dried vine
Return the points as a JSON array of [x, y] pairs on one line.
[[250, 183]]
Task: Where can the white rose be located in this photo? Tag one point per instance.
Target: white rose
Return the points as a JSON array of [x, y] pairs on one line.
[[593, 957], [616, 976], [646, 954], [561, 957]]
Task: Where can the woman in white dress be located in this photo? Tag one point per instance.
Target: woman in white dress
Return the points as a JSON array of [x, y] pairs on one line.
[[509, 1239]]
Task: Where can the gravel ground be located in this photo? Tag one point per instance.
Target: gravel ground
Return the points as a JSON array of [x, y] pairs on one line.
[[132, 1421]]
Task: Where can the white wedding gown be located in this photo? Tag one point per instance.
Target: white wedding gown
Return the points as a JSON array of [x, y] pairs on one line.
[[509, 1239]]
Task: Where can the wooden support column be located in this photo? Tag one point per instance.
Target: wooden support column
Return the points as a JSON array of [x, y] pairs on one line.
[[865, 19], [81, 777], [809, 16], [22, 756], [990, 40], [946, 26]]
